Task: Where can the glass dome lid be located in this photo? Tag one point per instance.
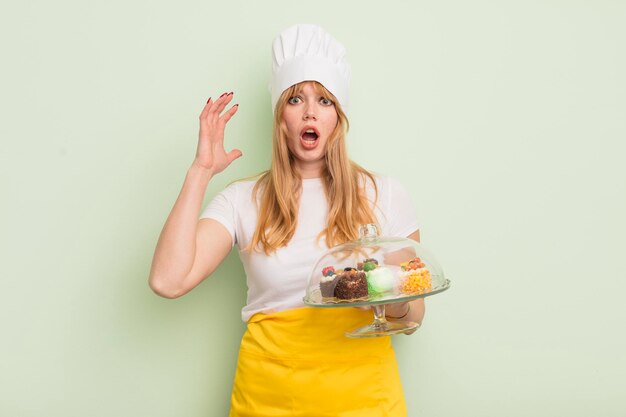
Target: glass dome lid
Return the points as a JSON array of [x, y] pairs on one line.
[[374, 270]]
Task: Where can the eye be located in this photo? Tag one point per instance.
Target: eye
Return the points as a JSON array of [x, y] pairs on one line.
[[294, 100], [326, 102]]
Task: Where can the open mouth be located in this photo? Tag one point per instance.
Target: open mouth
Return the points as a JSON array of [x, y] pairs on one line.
[[309, 137]]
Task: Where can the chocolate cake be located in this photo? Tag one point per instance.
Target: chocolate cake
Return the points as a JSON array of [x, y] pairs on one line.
[[351, 284]]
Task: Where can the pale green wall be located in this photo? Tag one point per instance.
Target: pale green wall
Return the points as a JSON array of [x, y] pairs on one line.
[[504, 119]]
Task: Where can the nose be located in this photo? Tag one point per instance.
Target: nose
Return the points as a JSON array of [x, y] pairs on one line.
[[309, 113]]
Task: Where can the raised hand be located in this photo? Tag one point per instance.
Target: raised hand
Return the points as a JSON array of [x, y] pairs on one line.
[[211, 154]]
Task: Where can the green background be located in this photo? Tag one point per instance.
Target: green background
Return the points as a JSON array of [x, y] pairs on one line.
[[505, 120]]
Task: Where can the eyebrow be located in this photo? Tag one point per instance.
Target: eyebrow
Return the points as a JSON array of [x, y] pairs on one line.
[[319, 93], [318, 90]]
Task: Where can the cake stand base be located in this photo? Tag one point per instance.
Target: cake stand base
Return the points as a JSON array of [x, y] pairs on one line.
[[385, 328]]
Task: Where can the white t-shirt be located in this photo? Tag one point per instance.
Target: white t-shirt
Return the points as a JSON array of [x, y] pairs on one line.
[[278, 282]]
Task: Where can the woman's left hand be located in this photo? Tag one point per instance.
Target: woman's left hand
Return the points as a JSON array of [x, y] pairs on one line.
[[397, 310], [392, 310]]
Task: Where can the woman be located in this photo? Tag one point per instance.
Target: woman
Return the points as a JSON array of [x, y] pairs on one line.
[[293, 360]]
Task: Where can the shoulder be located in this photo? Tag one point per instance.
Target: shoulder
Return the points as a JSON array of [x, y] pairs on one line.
[[232, 198], [385, 184], [390, 195], [239, 188], [398, 215]]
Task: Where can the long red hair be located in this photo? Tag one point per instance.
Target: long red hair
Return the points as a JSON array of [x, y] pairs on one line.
[[280, 187]]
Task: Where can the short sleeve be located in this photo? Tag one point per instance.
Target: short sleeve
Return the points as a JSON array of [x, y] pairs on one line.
[[222, 208], [401, 215]]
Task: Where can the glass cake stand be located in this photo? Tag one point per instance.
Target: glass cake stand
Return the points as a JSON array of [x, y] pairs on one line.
[[374, 271]]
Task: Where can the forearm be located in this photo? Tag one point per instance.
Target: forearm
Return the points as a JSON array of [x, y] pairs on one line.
[[175, 250]]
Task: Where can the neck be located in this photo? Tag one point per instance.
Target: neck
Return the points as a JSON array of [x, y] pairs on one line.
[[310, 170]]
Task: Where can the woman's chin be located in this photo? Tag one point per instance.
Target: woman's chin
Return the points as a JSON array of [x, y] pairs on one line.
[[309, 162]]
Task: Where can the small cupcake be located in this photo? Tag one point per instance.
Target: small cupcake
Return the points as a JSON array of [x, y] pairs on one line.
[[380, 280], [328, 281], [415, 277]]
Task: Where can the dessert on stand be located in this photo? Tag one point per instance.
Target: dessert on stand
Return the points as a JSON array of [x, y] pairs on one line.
[[374, 271]]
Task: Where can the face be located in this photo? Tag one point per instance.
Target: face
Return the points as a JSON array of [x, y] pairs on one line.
[[309, 118]]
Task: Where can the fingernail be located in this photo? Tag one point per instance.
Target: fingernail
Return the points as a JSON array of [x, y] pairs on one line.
[[208, 99], [222, 95], [230, 93], [236, 105]]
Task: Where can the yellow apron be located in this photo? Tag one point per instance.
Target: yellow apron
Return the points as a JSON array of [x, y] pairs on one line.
[[299, 363]]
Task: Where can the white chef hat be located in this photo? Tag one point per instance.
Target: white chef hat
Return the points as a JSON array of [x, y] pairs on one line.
[[309, 53]]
